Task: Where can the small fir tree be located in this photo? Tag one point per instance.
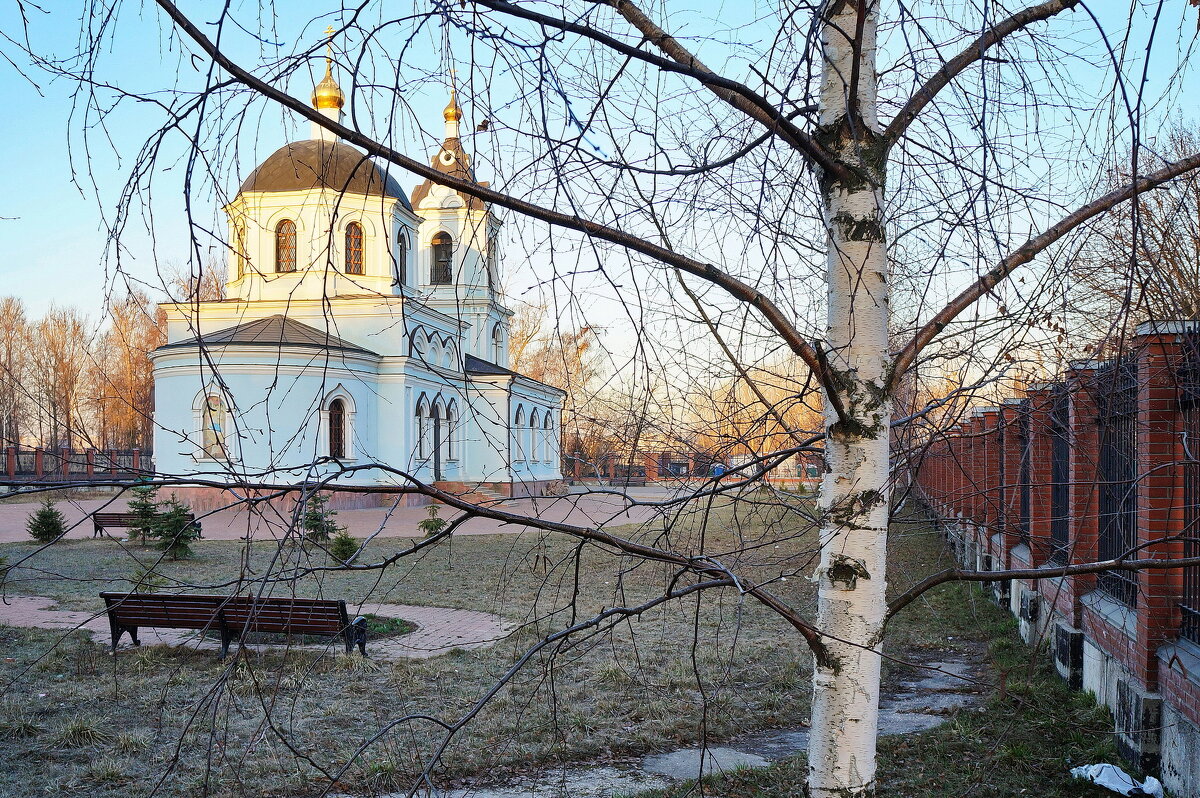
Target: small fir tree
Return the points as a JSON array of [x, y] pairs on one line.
[[144, 505], [47, 523], [175, 529], [432, 525], [319, 522], [344, 546]]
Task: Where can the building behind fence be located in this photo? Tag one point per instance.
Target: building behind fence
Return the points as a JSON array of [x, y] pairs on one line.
[[1101, 464]]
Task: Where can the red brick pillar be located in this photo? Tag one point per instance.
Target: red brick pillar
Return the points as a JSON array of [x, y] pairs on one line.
[[10, 460], [65, 465], [1010, 418], [990, 422], [137, 459], [1041, 478], [959, 476], [91, 463], [39, 461], [1159, 489]]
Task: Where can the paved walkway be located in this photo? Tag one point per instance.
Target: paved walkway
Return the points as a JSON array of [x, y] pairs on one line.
[[439, 629], [401, 522]]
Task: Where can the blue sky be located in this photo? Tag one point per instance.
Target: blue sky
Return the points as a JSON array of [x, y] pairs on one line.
[[52, 233]]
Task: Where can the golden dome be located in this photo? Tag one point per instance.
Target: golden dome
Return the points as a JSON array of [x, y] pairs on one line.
[[328, 94], [453, 112]]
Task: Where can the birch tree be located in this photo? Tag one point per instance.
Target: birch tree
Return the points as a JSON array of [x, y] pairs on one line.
[[812, 100]]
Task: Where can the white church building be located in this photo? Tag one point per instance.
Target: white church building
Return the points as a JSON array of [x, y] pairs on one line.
[[360, 326]]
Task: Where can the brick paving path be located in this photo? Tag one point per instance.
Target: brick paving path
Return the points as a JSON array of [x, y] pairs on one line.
[[401, 522], [439, 629]]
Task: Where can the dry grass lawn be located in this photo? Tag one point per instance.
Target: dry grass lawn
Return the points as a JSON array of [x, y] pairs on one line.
[[76, 721]]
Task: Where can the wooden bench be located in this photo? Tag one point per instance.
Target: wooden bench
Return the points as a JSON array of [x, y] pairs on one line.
[[232, 616], [101, 521]]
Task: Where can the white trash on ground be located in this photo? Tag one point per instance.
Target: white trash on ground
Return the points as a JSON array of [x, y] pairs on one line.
[[1113, 778]]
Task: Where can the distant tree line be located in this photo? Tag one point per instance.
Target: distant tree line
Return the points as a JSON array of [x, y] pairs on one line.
[[68, 381]]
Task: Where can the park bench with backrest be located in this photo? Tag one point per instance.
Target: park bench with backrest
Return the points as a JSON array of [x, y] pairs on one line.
[[102, 521], [232, 616]]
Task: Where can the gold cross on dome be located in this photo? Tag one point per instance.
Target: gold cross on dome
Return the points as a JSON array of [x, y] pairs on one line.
[[329, 46]]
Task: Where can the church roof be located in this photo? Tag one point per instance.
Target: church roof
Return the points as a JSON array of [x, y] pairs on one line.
[[275, 331], [314, 164], [477, 365], [453, 160]]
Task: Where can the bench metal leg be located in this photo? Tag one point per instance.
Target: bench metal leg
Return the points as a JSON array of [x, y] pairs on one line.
[[118, 630], [227, 637], [356, 635]]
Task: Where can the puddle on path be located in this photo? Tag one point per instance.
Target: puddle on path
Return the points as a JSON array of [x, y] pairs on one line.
[[915, 704]]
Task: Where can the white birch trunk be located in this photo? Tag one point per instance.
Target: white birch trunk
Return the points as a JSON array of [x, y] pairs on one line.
[[854, 494]]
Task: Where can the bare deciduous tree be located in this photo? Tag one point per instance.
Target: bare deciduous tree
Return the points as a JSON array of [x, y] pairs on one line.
[[788, 189]]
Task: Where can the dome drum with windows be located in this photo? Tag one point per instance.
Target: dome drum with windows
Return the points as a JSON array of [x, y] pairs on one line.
[[360, 325]]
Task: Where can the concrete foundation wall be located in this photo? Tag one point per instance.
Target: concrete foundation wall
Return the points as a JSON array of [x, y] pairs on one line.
[[1180, 765]]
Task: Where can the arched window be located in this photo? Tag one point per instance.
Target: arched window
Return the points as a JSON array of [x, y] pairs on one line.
[[451, 432], [548, 438], [354, 248], [401, 275], [423, 424], [497, 345], [518, 435], [337, 429], [492, 261], [240, 255], [285, 246], [214, 427], [535, 427], [441, 272]]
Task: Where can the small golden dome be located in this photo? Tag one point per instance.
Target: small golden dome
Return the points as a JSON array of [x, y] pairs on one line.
[[453, 112], [328, 94]]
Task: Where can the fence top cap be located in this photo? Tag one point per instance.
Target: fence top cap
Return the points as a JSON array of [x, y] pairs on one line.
[[990, 409], [1175, 327], [1084, 365], [1042, 386], [1013, 400]]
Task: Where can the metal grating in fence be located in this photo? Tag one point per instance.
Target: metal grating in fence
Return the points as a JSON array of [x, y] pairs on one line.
[[1025, 478], [1117, 419], [1001, 482], [1060, 469], [1189, 380]]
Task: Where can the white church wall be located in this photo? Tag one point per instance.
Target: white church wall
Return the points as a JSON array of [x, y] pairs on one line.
[[321, 218], [273, 419]]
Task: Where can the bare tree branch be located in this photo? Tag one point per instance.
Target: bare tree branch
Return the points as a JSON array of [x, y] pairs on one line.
[[1027, 252], [970, 54], [1103, 566]]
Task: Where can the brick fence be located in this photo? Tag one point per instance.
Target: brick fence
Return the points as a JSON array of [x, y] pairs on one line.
[[1102, 463]]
